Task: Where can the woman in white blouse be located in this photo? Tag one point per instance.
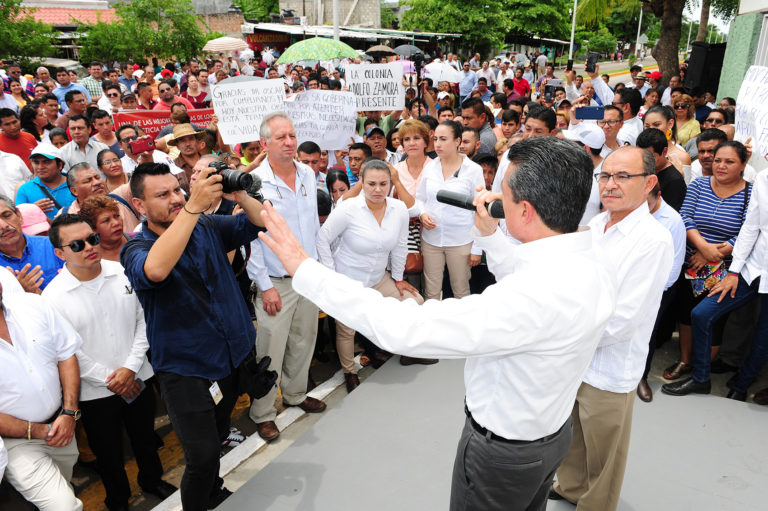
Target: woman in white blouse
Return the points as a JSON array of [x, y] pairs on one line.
[[369, 233], [446, 238]]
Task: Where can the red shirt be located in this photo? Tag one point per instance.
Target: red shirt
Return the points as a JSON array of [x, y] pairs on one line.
[[522, 86], [21, 146], [176, 99], [200, 101]]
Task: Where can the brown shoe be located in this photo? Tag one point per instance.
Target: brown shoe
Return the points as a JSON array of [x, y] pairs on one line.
[[352, 381], [310, 405], [644, 392], [409, 361], [267, 430]]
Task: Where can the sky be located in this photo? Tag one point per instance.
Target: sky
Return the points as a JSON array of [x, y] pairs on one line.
[[693, 11]]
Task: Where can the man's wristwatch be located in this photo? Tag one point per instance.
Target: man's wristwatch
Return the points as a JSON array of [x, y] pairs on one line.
[[75, 414]]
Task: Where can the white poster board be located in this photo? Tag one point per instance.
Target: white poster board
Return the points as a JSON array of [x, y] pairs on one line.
[[376, 86], [752, 109], [328, 118], [241, 105]]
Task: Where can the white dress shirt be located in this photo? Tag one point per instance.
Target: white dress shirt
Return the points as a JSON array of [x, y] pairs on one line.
[[365, 247], [641, 250], [72, 154], [673, 222], [528, 338], [750, 254], [106, 313], [9, 282], [30, 372], [630, 130], [14, 171], [453, 224], [299, 209], [593, 203]]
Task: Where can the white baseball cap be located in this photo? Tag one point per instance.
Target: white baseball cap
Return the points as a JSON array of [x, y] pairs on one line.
[[589, 134], [442, 94], [47, 150]]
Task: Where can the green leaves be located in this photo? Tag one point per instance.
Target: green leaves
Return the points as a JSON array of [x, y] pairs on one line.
[[21, 36], [161, 28], [258, 9]]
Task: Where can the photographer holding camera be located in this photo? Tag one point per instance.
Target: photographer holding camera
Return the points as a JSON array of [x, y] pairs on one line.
[[198, 327]]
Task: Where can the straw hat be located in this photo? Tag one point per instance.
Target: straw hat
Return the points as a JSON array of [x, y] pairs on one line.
[[182, 130]]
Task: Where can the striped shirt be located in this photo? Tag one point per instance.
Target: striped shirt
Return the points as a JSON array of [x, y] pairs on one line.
[[718, 220]]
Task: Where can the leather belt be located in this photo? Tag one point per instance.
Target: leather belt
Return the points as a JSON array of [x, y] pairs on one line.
[[493, 436], [281, 277]]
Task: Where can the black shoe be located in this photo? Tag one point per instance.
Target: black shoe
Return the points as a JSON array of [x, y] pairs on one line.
[[162, 491], [732, 380], [218, 497], [738, 396], [720, 367], [685, 387], [553, 495]]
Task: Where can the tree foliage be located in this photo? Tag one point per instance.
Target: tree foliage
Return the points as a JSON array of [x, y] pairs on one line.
[[484, 23], [600, 39], [543, 19], [258, 9], [21, 37], [161, 28]]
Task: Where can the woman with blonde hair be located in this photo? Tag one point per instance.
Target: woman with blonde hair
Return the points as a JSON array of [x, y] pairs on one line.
[[685, 113]]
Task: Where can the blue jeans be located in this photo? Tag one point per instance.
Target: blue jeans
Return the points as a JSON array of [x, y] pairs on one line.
[[706, 314]]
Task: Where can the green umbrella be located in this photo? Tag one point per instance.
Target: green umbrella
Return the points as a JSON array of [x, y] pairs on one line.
[[317, 48]]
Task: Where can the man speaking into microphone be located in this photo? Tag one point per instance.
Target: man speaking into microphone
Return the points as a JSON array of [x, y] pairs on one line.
[[528, 339]]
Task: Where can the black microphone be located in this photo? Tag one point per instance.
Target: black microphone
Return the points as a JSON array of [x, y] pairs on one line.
[[495, 208]]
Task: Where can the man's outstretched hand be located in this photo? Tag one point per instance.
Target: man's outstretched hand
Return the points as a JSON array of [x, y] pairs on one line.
[[281, 240]]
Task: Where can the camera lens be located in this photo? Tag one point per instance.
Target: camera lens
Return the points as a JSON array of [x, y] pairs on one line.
[[234, 180]]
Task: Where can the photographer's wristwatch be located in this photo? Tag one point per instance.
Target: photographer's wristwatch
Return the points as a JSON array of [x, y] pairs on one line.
[[75, 414]]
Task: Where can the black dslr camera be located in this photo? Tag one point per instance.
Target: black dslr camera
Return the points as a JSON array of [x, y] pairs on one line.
[[233, 180]]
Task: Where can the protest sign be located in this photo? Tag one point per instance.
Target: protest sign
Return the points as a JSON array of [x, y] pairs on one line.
[[376, 86], [241, 105], [152, 121], [325, 117], [752, 109]]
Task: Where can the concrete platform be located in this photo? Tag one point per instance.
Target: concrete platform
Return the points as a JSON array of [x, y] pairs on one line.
[[391, 443]]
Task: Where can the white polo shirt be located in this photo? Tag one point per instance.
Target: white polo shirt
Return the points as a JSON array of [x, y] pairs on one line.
[[110, 320]]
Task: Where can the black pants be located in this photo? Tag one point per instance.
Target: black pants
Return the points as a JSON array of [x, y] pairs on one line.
[[103, 420], [200, 424]]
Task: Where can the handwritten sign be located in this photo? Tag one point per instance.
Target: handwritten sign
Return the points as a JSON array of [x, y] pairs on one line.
[[152, 121], [752, 109], [327, 118], [241, 106], [377, 86]]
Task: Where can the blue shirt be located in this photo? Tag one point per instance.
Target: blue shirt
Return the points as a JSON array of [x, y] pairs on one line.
[[717, 220], [32, 191], [197, 321], [352, 178], [37, 252], [468, 83], [60, 92], [129, 83]]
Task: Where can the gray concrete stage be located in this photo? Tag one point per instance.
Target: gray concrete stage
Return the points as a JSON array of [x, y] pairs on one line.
[[390, 445]]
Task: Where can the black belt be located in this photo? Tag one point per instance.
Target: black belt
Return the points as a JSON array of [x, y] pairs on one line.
[[280, 277], [493, 436]]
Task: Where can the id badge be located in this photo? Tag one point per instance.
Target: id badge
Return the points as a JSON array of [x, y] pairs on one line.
[[215, 392]]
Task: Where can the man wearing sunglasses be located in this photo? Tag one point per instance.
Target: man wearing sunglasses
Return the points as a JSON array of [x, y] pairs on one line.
[[116, 388], [602, 415], [198, 326], [167, 97]]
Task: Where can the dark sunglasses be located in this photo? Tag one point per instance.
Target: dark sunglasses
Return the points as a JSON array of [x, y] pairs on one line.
[[163, 90], [682, 106], [715, 120], [113, 95], [78, 245]]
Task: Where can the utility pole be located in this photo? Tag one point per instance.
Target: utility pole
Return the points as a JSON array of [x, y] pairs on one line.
[[637, 39], [336, 20], [573, 29]]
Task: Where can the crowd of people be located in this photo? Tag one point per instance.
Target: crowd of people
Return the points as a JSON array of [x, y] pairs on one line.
[[129, 272]]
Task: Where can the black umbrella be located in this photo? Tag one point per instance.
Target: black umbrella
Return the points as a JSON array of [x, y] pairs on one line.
[[407, 50], [380, 50]]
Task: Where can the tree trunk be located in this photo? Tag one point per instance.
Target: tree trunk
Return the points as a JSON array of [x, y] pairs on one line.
[[666, 50], [701, 35]]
